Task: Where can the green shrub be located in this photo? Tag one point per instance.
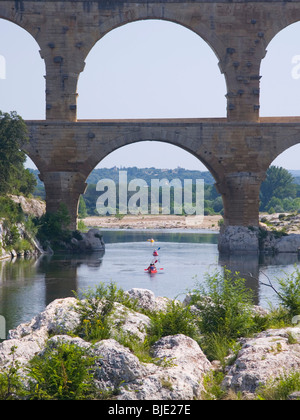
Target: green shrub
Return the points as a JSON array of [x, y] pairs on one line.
[[10, 211], [11, 387], [218, 347], [225, 305], [61, 373], [280, 388], [95, 309], [12, 237], [54, 226], [175, 320], [289, 293]]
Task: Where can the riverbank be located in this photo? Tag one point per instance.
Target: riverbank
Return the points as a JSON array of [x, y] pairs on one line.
[[154, 222], [136, 346], [287, 222]]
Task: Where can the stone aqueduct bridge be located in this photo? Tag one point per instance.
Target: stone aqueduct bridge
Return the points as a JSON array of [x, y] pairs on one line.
[[237, 150]]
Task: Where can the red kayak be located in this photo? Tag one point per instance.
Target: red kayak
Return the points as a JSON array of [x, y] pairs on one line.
[[151, 270]]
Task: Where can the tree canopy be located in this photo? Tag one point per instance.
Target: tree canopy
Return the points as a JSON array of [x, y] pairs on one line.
[[278, 190], [14, 178]]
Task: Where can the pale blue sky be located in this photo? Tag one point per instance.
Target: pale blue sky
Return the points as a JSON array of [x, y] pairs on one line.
[[150, 69]]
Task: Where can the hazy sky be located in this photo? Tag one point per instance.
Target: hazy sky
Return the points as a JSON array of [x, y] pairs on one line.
[[150, 69]]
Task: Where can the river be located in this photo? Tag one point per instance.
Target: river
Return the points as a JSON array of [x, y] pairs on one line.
[[27, 286]]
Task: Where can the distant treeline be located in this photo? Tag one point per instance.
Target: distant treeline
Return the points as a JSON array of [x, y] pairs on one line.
[[280, 192]]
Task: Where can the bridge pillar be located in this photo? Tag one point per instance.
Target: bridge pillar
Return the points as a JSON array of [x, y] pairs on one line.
[[66, 188], [240, 233], [240, 193], [61, 82]]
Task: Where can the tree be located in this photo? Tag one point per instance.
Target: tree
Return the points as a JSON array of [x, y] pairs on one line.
[[14, 178], [82, 211], [279, 184]]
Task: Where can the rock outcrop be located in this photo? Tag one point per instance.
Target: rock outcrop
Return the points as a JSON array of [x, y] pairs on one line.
[[178, 363], [263, 358], [92, 241], [30, 247], [31, 206], [238, 240], [255, 240]]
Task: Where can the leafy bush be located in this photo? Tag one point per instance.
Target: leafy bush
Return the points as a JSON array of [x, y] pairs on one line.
[[54, 226], [62, 373], [225, 305], [12, 237], [280, 388], [10, 211], [14, 178], [289, 293], [175, 320], [95, 309], [11, 387]]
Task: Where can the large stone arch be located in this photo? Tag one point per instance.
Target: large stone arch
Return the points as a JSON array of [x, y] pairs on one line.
[[282, 144], [239, 148], [195, 37], [164, 14], [180, 141], [278, 88], [23, 87], [287, 17], [21, 20]]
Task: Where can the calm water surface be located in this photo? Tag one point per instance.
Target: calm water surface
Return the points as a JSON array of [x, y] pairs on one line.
[[28, 286]]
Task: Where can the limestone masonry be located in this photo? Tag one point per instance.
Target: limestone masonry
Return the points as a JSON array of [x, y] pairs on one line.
[[237, 149]]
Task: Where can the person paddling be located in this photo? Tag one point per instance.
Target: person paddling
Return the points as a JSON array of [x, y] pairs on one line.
[[155, 252], [152, 268]]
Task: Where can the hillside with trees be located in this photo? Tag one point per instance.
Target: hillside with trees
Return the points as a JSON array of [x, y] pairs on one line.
[[280, 192]]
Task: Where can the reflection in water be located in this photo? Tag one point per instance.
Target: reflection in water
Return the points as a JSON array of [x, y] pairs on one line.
[[160, 235], [27, 286], [247, 266], [19, 290], [60, 273], [254, 268]]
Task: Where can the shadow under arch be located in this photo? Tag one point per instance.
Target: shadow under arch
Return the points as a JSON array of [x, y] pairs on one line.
[[23, 87], [166, 84], [279, 88]]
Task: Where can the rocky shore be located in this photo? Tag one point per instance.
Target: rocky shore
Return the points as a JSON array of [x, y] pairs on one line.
[[255, 240], [178, 366], [154, 222]]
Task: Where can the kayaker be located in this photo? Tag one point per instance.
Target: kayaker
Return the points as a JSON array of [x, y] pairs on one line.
[[155, 253], [151, 268]]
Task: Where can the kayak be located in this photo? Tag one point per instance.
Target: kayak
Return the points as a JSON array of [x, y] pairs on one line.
[[154, 271]]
